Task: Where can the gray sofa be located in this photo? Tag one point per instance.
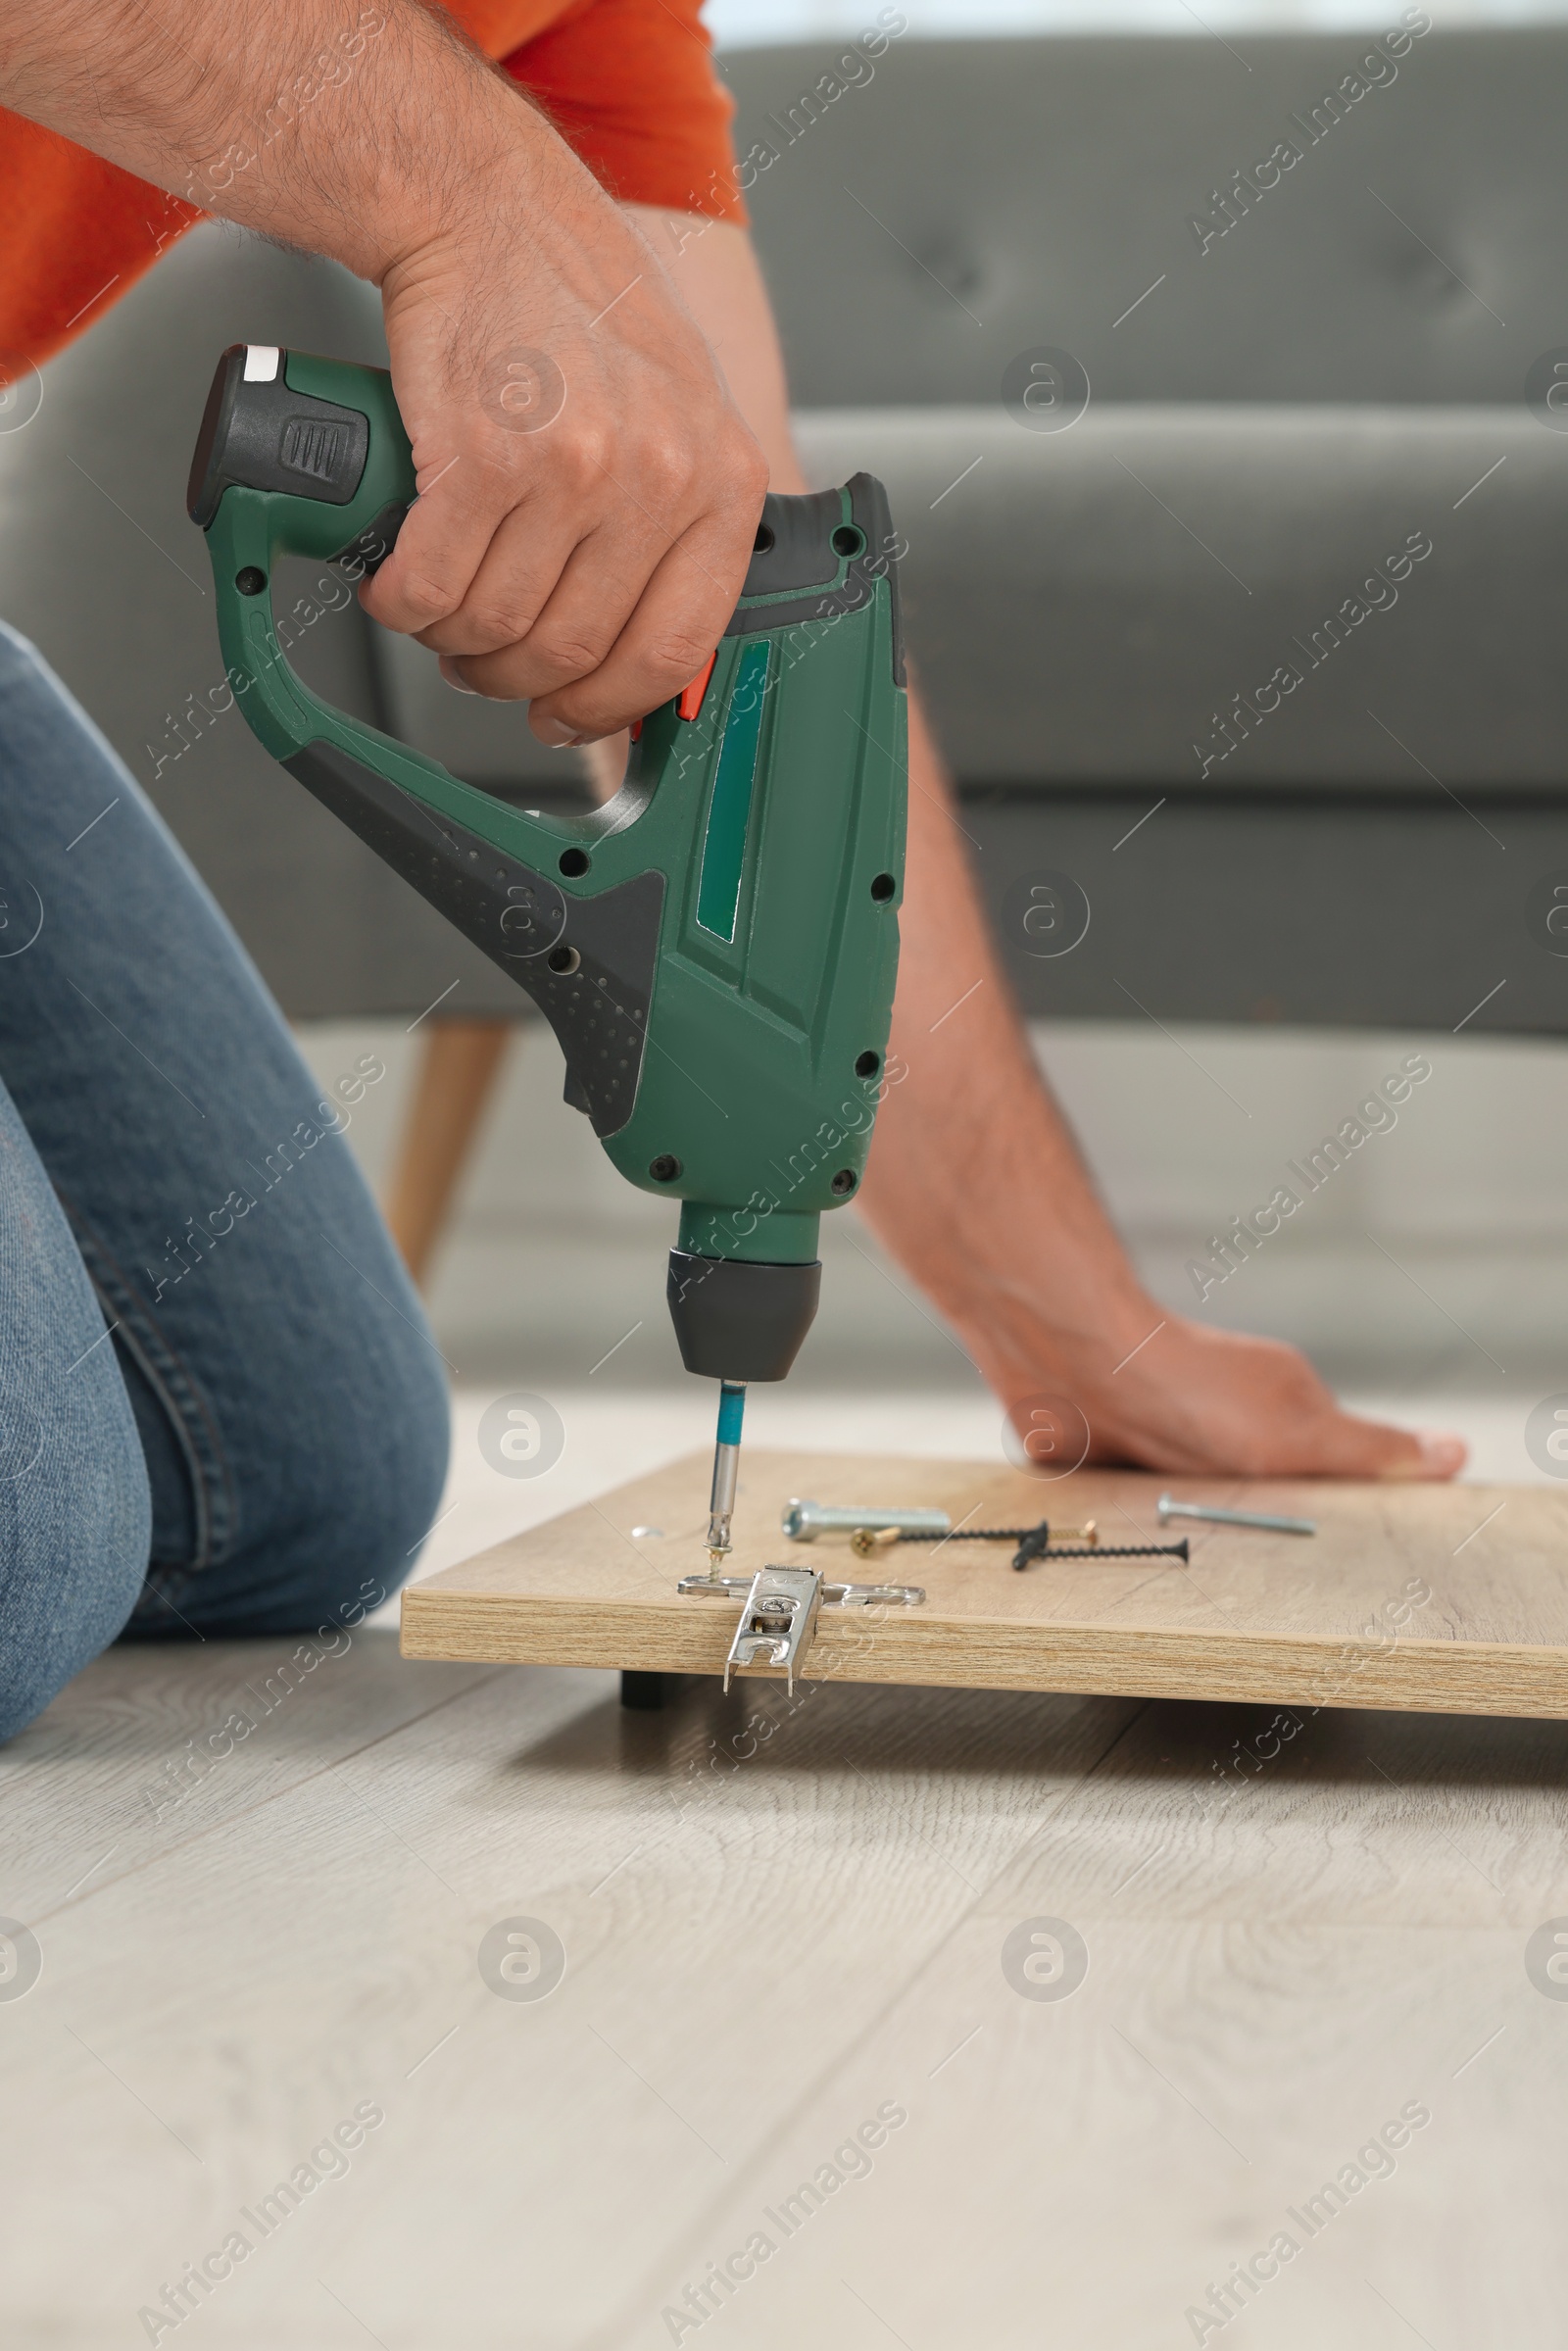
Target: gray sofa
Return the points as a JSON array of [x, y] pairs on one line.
[[1292, 574], [1294, 397]]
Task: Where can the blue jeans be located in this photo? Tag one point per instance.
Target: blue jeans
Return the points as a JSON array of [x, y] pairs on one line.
[[221, 1409]]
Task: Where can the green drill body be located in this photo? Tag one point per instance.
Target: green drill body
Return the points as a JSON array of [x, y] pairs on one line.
[[716, 950]]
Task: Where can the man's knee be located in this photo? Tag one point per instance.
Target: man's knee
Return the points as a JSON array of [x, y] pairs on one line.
[[383, 1459], [359, 1484], [73, 1561]]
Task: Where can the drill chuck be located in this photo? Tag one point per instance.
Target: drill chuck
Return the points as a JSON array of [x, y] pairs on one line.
[[737, 1320]]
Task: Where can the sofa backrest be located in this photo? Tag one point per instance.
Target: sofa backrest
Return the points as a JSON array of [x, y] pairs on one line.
[[958, 202]]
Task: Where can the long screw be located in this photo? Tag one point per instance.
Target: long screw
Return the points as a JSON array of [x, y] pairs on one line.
[[1267, 1519], [1034, 1542], [866, 1539]]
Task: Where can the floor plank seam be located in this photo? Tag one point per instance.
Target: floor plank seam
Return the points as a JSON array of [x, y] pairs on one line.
[[276, 1796], [614, 2338]]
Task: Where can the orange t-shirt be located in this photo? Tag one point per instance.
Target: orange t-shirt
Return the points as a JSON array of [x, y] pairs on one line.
[[629, 83]]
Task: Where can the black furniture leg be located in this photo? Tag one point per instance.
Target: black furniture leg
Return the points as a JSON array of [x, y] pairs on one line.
[[643, 1693]]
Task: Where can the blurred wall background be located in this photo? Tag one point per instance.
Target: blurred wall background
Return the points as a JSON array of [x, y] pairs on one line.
[[1435, 1264], [738, 22]]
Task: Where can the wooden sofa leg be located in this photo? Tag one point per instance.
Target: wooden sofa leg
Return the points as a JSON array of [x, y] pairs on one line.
[[456, 1076]]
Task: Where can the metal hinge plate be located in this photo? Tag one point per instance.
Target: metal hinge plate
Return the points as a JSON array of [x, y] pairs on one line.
[[779, 1608]]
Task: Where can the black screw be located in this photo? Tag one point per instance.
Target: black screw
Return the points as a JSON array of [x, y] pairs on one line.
[[573, 862], [250, 581], [1034, 1542], [664, 1169], [763, 541], [563, 959], [843, 1182], [882, 888], [866, 1065], [847, 540]]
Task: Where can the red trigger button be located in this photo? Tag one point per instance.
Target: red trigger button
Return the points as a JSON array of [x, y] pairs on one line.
[[691, 701], [636, 729]]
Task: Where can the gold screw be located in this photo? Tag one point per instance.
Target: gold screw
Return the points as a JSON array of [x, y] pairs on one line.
[[1087, 1533], [866, 1539]]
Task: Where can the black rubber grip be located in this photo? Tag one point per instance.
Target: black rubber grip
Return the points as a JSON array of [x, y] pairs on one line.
[[262, 436], [797, 550]]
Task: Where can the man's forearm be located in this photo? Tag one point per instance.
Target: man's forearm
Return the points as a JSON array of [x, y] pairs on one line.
[[1000, 1216], [977, 1189], [348, 130]]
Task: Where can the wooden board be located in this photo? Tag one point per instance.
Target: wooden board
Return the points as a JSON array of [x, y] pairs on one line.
[[1446, 1599]]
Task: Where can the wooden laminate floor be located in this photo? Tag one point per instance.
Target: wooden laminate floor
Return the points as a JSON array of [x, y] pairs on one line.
[[808, 2032]]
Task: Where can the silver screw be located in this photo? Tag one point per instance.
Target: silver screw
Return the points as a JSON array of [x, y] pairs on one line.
[[1234, 1518], [805, 1521]]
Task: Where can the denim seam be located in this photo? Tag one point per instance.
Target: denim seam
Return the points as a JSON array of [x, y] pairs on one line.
[[167, 1375]]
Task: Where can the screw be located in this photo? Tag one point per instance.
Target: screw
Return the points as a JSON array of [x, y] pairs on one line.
[[803, 1520], [1169, 1509]]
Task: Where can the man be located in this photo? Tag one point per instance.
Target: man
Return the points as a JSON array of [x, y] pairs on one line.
[[270, 1434]]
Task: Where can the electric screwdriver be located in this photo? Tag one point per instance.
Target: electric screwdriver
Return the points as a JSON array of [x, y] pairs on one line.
[[715, 947]]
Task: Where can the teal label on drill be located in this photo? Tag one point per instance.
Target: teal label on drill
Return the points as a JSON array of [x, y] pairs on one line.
[[719, 888]]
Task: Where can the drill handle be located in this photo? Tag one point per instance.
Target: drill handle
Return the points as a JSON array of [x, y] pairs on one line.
[[296, 456]]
